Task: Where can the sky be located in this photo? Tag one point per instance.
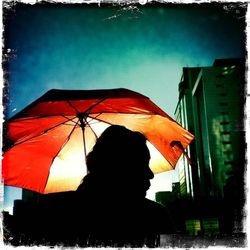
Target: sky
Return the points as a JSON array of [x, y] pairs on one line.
[[140, 47]]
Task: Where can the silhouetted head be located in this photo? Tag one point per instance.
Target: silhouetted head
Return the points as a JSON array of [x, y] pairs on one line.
[[120, 162]]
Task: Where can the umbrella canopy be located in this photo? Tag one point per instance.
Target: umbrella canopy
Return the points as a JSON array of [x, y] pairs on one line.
[[48, 140]]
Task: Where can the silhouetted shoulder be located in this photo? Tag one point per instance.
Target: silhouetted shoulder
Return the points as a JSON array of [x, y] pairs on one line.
[[154, 205], [159, 217]]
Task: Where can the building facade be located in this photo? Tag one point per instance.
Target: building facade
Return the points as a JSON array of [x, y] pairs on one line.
[[211, 106]]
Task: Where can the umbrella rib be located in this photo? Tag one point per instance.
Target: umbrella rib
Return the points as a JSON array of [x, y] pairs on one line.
[[70, 119], [46, 116], [35, 136], [67, 139], [93, 118], [94, 105], [73, 107], [84, 143], [128, 113], [91, 127], [93, 131], [88, 109], [35, 118], [101, 120]]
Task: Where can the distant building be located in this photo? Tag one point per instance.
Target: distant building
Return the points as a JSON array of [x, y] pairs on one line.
[[30, 196], [166, 197], [211, 106], [176, 189]]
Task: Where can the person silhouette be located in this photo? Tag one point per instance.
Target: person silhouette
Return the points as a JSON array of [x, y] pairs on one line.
[[111, 206]]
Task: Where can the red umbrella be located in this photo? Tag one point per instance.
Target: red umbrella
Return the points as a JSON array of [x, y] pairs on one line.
[[49, 139]]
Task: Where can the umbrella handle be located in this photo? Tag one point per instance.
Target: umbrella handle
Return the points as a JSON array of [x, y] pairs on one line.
[[180, 146]]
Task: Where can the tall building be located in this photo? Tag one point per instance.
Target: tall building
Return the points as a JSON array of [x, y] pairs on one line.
[[211, 106]]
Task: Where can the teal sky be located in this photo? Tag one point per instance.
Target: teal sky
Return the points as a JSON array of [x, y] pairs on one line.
[[142, 48]]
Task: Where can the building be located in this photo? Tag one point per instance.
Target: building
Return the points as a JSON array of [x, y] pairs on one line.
[[211, 106]]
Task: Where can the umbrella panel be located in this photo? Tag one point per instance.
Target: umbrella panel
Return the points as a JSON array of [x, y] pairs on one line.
[[24, 129], [69, 166], [27, 164]]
